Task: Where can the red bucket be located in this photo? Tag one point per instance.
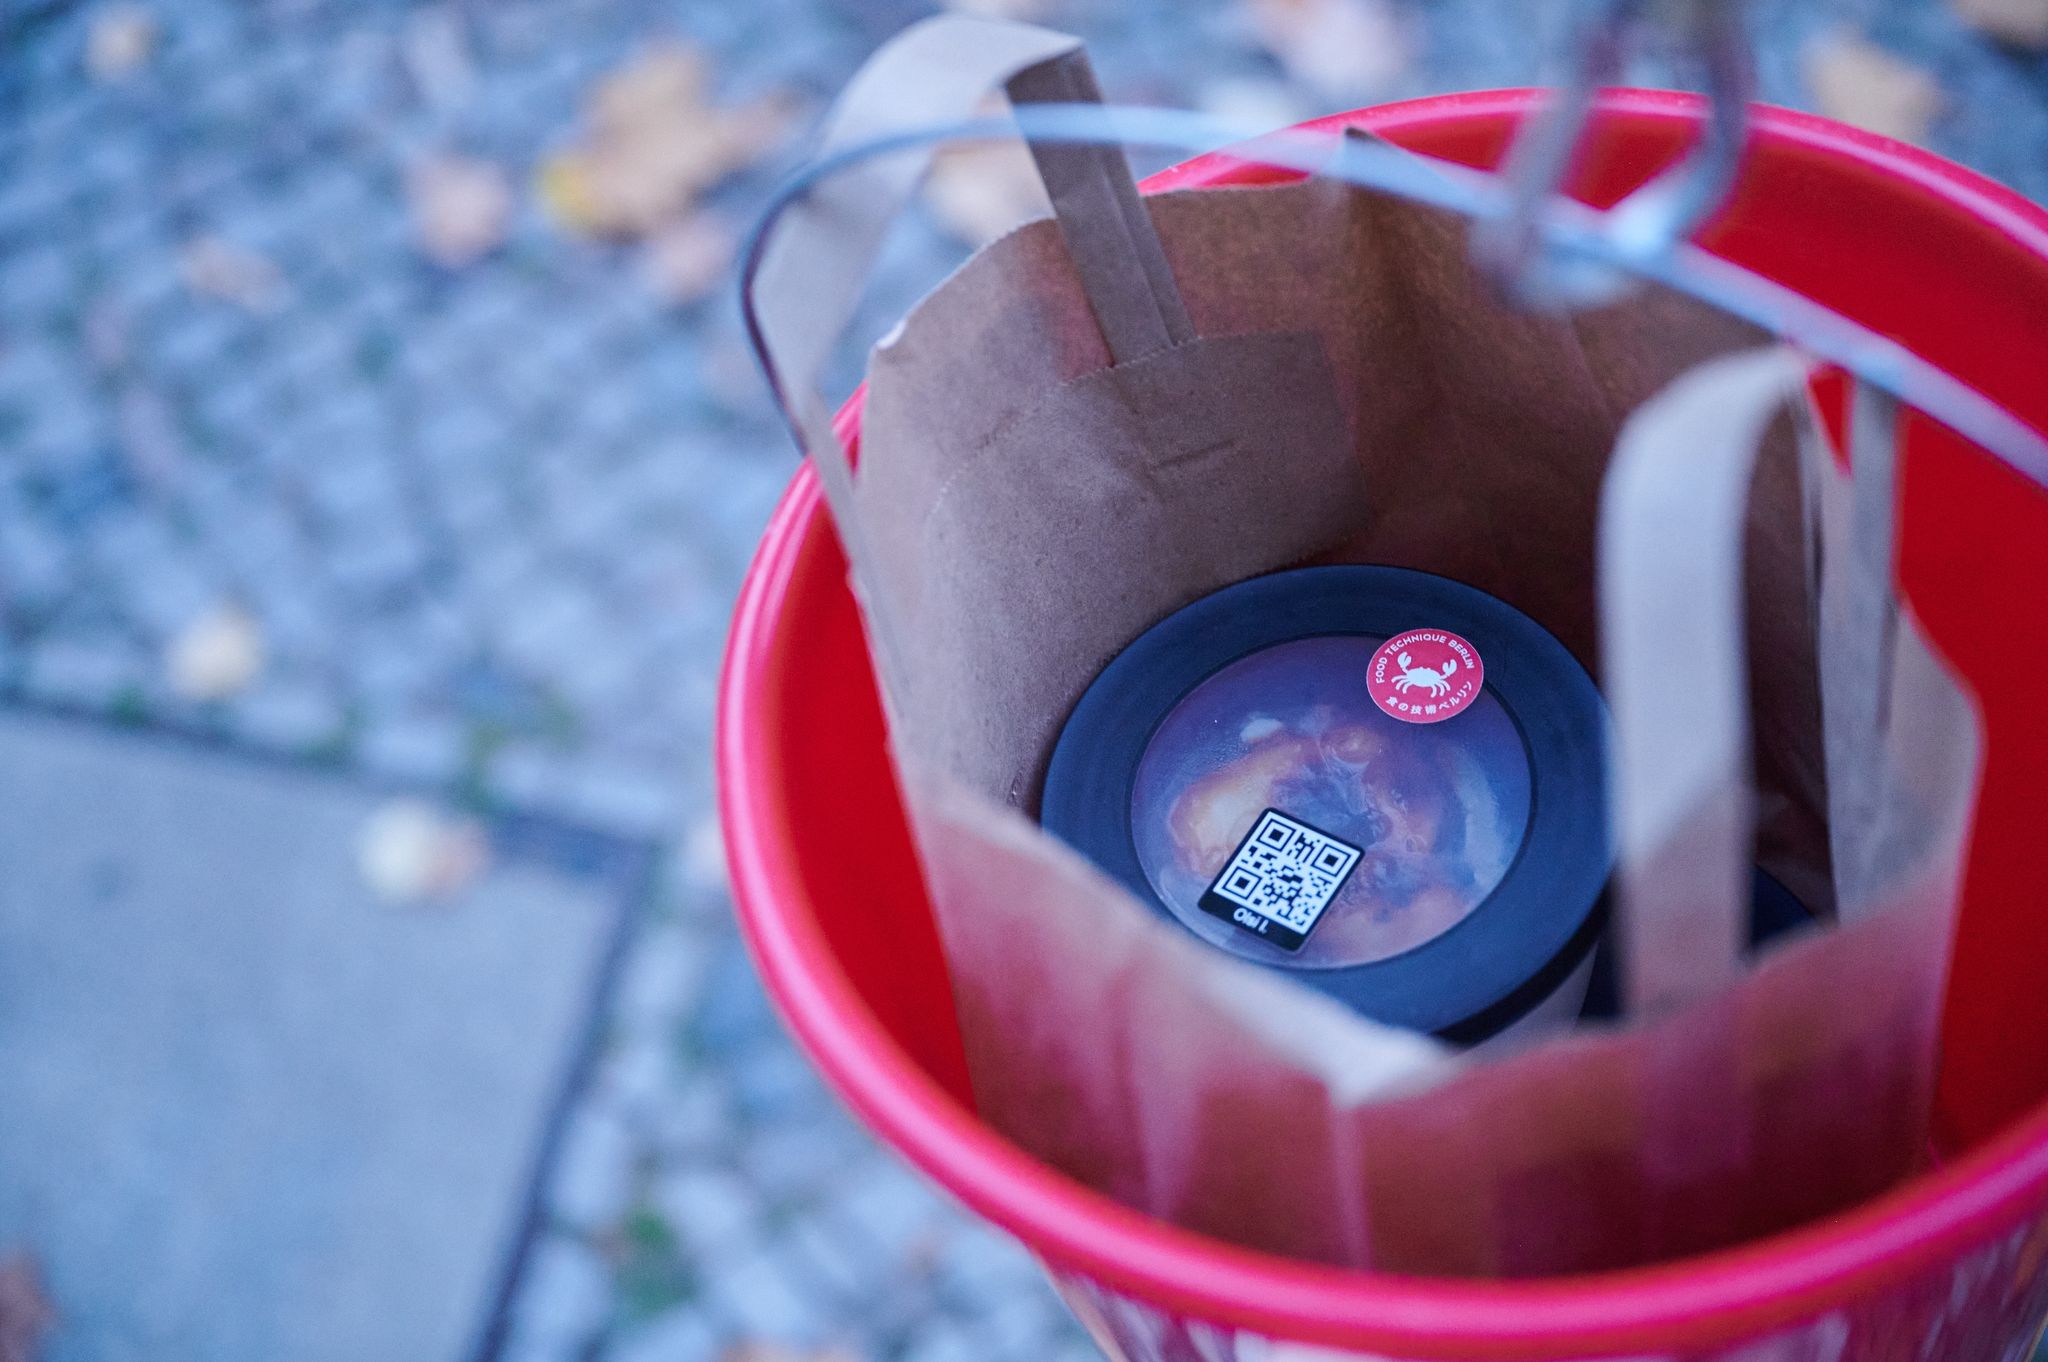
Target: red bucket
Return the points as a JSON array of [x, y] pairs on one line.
[[1951, 1266]]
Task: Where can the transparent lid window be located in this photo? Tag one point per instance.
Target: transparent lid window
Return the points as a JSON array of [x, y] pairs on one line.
[[1436, 813]]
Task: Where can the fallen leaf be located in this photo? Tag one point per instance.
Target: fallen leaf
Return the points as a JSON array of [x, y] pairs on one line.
[[1858, 82], [666, 76], [686, 260], [410, 851], [220, 269], [1340, 49], [460, 208], [216, 655], [25, 1313], [981, 190], [2022, 23], [655, 140], [119, 42]]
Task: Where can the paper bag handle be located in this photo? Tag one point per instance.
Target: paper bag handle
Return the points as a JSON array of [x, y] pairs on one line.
[[1115, 249], [1859, 632], [811, 268], [1672, 519]]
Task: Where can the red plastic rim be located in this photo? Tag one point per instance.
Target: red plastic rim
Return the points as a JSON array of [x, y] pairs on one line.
[[1699, 1303]]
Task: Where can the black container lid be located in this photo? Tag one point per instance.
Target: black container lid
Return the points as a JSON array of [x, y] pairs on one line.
[[1385, 783]]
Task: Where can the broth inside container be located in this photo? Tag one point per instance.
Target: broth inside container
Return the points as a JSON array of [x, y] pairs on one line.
[[1437, 812]]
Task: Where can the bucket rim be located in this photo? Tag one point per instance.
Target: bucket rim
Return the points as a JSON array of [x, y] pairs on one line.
[[1697, 1302]]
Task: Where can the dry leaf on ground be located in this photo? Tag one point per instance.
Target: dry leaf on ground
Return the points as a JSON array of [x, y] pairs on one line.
[[216, 655], [654, 140], [220, 269], [460, 208], [686, 260], [25, 1313], [2023, 23], [981, 190], [1340, 49], [119, 42], [1858, 82], [411, 851]]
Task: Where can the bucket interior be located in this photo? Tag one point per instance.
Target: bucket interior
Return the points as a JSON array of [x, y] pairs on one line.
[[1947, 263]]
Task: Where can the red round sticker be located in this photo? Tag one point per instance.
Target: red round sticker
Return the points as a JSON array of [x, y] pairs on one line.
[[1425, 676]]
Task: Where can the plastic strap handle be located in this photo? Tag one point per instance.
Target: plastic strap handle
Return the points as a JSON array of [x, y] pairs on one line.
[[1570, 229], [1660, 214], [1672, 522]]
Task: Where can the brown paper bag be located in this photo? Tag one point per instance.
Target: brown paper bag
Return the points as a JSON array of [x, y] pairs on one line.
[[1105, 416]]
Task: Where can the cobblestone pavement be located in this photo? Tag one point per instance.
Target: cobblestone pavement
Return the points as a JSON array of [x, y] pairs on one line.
[[488, 521]]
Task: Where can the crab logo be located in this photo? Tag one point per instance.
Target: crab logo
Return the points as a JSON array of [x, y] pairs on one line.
[[1425, 676], [1436, 682]]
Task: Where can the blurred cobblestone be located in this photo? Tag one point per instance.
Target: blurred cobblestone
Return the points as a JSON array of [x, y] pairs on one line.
[[490, 522], [566, 1299]]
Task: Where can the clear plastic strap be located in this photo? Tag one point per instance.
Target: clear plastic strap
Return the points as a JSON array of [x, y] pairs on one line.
[[1657, 216], [1570, 231]]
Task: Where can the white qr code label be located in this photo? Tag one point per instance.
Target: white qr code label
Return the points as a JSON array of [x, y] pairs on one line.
[[1280, 879]]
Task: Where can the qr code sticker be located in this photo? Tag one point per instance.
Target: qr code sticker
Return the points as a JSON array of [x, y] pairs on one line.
[[1280, 879]]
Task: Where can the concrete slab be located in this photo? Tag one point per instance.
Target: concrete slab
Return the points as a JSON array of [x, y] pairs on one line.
[[247, 1111]]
